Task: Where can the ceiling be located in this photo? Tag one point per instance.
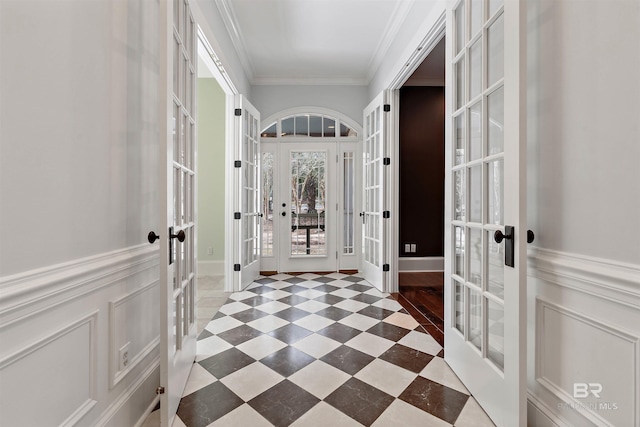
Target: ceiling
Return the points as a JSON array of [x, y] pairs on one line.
[[312, 41]]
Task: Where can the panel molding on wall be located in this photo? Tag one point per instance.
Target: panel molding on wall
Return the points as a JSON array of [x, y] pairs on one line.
[[583, 315], [45, 353]]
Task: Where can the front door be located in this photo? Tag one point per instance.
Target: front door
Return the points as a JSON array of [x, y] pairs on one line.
[[485, 269], [177, 194], [307, 206]]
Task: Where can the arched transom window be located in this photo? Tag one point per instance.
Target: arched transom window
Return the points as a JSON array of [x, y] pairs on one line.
[[309, 125]]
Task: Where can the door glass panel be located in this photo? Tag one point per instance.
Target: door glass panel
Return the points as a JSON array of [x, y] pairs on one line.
[[460, 24], [459, 306], [308, 186], [475, 193], [459, 196], [267, 204], [495, 127], [475, 131], [495, 348], [495, 51], [459, 242], [348, 203], [495, 182], [495, 267], [494, 5], [475, 69], [458, 128], [459, 90], [475, 256], [476, 17], [475, 318]]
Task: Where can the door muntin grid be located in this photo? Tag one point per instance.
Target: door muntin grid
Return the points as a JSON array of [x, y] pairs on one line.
[[250, 190], [183, 167], [372, 188], [478, 177]]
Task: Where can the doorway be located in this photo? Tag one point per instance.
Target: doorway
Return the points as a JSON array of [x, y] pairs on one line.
[[309, 181], [421, 229]]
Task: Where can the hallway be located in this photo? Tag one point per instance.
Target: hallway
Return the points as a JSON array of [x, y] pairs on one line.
[[319, 350]]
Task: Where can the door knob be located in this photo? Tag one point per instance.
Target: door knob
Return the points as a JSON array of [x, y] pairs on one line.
[[152, 237], [284, 213], [499, 236], [260, 215], [180, 236], [530, 236]]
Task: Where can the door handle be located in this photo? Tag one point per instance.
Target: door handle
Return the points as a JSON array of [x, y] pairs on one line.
[[530, 236], [362, 216], [284, 213], [180, 236], [508, 235], [152, 237]]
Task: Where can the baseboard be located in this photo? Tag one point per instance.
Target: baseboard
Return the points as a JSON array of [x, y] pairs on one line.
[[211, 268], [415, 264]]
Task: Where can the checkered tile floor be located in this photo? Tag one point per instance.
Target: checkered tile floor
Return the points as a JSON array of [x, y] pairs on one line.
[[326, 350]]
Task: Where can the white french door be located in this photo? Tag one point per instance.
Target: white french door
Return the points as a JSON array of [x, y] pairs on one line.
[[247, 201], [375, 256], [177, 194], [485, 238], [307, 206]]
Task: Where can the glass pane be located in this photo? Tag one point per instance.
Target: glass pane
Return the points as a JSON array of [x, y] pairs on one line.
[[459, 89], [329, 127], [475, 69], [347, 131], [287, 126], [176, 67], [495, 350], [302, 125], [459, 18], [495, 183], [269, 132], [475, 131], [495, 51], [459, 306], [459, 242], [494, 5], [176, 132], [459, 195], [315, 126], [475, 256], [495, 261], [348, 203], [458, 129], [308, 182], [475, 318], [476, 17], [495, 127], [475, 194], [267, 204]]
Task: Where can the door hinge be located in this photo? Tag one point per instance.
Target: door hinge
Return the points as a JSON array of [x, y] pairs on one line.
[[237, 215], [386, 161], [238, 112], [386, 214], [236, 267], [237, 163], [385, 267], [336, 254], [387, 107], [160, 390]]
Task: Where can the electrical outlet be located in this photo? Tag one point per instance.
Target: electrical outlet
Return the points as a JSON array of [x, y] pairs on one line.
[[124, 356], [413, 247], [209, 250], [407, 248]]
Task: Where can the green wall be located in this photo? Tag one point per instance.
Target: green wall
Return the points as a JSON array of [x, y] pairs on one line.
[[211, 171]]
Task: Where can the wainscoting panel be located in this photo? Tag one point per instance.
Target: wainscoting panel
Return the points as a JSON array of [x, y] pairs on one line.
[[61, 329], [584, 340]]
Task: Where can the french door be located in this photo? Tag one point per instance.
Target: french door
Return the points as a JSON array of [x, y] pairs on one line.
[[374, 215], [485, 269], [307, 207], [177, 194], [247, 200]]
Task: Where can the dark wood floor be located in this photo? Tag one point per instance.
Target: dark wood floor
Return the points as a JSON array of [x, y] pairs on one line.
[[422, 295]]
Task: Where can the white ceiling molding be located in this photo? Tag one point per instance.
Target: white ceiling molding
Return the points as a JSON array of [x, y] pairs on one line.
[[309, 81], [400, 13], [231, 23]]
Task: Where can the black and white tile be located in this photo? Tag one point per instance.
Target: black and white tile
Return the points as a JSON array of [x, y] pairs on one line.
[[318, 350]]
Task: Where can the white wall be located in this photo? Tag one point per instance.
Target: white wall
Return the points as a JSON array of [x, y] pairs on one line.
[[349, 100], [78, 195]]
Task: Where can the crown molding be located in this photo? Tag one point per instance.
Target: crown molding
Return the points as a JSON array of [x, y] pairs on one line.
[[225, 7], [309, 81]]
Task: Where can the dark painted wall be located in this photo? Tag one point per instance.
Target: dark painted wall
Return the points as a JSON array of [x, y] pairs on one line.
[[422, 170]]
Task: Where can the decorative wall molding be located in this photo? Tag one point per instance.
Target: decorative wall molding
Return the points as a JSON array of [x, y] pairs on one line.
[[614, 281], [90, 322], [45, 288]]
